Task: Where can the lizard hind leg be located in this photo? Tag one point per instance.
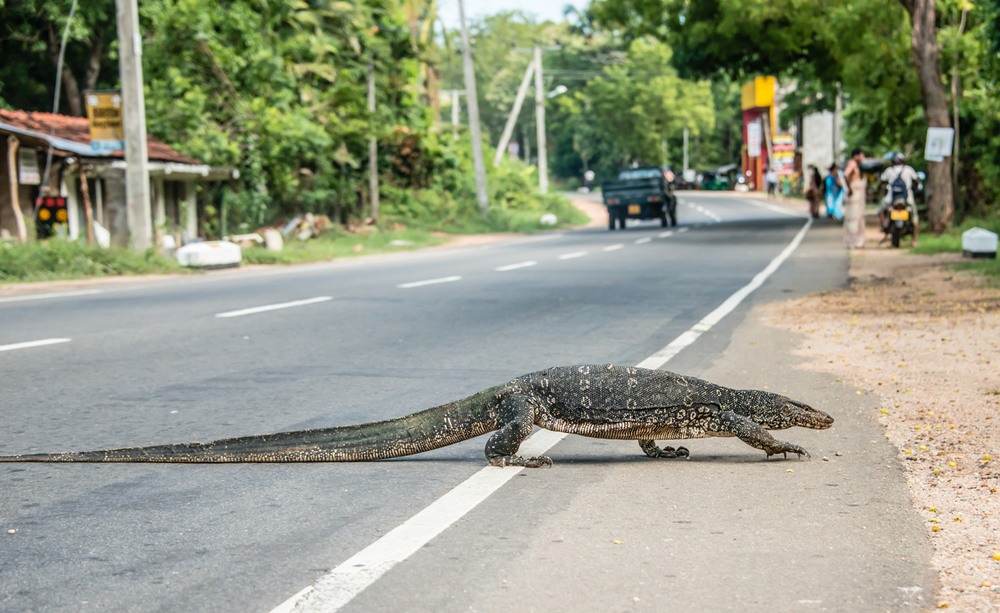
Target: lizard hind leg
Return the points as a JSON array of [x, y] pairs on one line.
[[516, 422], [651, 449]]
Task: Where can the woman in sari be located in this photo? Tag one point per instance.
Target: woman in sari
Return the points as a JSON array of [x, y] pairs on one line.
[[854, 209], [835, 193]]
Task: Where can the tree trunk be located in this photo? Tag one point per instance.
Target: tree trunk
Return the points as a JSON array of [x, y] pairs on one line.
[[927, 60]]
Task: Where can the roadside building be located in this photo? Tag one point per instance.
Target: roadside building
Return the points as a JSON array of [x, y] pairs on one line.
[[82, 195]]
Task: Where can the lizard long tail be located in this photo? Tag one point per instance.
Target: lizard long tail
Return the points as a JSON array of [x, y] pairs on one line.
[[422, 431]]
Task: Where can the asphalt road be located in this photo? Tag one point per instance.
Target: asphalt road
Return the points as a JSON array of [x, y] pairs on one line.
[[605, 529]]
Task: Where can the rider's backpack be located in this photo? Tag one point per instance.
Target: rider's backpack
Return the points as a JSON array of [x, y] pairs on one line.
[[898, 189]]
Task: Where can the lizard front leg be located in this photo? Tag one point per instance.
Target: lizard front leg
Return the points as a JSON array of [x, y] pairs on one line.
[[652, 450], [728, 423], [516, 418]]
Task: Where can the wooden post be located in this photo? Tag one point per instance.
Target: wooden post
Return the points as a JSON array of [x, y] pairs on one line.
[[12, 146], [88, 211]]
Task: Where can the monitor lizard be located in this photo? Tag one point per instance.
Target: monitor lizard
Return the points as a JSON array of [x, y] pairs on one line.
[[600, 401]]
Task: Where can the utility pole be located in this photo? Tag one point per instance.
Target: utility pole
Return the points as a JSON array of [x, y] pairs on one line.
[[838, 105], [685, 150], [482, 197], [514, 112], [140, 224], [372, 145], [543, 160]]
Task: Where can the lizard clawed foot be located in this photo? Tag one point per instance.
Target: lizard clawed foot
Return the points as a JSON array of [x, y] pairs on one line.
[[786, 448], [541, 461], [670, 452], [650, 448]]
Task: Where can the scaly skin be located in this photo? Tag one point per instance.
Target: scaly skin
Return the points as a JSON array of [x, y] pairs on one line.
[[600, 401]]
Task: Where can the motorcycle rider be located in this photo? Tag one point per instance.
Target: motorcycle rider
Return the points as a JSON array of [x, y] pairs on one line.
[[891, 177]]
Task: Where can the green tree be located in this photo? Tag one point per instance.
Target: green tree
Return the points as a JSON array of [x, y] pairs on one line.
[[30, 35]]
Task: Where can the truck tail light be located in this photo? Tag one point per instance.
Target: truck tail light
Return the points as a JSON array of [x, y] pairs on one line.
[[653, 198]]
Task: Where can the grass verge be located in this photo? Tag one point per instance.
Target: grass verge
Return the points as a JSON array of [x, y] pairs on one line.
[[951, 242], [55, 259]]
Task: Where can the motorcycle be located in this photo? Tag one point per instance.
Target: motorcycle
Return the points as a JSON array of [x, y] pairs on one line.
[[899, 222]]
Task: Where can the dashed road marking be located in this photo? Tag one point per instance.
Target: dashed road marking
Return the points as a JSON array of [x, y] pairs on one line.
[[50, 295], [570, 256], [517, 266], [451, 279], [614, 247], [666, 234], [643, 241], [30, 344], [273, 307]]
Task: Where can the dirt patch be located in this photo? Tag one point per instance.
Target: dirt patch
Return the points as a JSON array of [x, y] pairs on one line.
[[926, 340]]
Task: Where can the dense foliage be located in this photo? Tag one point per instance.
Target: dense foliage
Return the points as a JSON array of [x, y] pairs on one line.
[[277, 89]]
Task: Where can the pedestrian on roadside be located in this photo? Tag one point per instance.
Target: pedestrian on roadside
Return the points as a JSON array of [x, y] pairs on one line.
[[814, 190], [835, 193], [854, 209], [771, 179]]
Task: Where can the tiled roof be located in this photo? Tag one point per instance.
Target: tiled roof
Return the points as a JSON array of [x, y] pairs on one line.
[[71, 135]]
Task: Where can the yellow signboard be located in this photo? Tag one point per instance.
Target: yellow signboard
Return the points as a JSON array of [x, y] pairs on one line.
[[758, 93], [104, 110]]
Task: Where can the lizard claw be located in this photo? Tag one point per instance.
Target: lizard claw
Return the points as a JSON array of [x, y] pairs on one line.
[[785, 448], [541, 461], [670, 452]]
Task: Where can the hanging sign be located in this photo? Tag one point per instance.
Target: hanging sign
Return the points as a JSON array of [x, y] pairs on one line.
[[939, 143], [27, 167], [104, 110], [753, 139]]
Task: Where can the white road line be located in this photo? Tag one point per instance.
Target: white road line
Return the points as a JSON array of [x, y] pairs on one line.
[[527, 264], [50, 295], [661, 357], [684, 229], [705, 212], [30, 344], [643, 241], [614, 247], [776, 208], [666, 234], [429, 282], [335, 589], [570, 256], [338, 587], [273, 307]]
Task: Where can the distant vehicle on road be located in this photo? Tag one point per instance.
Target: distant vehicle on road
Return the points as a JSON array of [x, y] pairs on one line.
[[639, 193]]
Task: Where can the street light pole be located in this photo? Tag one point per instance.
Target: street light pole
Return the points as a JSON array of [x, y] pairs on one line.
[[134, 123], [482, 197]]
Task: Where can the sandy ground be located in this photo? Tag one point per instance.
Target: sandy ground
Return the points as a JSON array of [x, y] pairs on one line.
[[926, 341]]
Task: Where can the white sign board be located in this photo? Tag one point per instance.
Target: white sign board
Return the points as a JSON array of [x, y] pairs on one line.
[[27, 167], [753, 139], [939, 144]]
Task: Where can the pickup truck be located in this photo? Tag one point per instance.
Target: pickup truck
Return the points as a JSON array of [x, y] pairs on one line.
[[639, 193]]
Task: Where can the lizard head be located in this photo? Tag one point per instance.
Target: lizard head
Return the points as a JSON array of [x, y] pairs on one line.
[[777, 412]]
